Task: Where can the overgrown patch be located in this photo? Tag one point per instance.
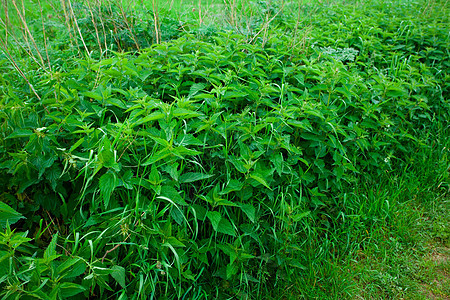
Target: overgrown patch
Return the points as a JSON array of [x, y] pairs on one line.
[[301, 160]]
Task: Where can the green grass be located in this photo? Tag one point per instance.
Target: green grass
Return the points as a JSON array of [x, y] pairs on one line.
[[269, 150]]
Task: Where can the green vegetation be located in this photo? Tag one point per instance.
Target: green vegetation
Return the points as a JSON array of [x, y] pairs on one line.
[[232, 150]]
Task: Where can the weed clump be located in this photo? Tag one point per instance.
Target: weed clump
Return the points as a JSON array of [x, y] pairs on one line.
[[247, 164]]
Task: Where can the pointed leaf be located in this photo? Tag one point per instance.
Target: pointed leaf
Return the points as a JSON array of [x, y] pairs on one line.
[[261, 180], [157, 157], [118, 273], [8, 214], [195, 88], [175, 242], [151, 117], [226, 227], [249, 210], [191, 177], [171, 193], [215, 218], [108, 182], [232, 186], [18, 133], [51, 249], [69, 289], [154, 177]]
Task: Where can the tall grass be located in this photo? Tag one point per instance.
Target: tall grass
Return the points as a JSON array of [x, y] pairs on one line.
[[237, 149]]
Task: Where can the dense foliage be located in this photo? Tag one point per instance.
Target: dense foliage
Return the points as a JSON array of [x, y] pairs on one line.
[[214, 166]]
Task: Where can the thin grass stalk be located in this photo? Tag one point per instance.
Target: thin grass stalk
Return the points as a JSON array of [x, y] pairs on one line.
[[267, 24], [427, 7], [200, 20], [27, 31], [5, 8], [95, 27], [45, 38], [159, 25], [11, 59], [16, 40], [23, 12], [76, 24], [156, 21], [297, 22], [57, 15], [235, 14], [231, 9], [24, 34], [119, 46], [67, 19], [99, 5], [128, 26], [248, 18]]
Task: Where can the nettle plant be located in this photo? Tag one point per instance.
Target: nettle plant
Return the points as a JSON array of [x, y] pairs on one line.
[[197, 163]]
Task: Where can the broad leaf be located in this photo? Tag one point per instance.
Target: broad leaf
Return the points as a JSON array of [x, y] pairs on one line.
[[108, 182], [8, 214], [118, 273], [191, 177]]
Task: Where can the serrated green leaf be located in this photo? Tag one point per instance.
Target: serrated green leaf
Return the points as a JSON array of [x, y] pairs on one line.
[[151, 117], [191, 177], [108, 182], [232, 270], [171, 193], [76, 270], [185, 113], [182, 151], [200, 211], [69, 289], [19, 133], [238, 164], [66, 264], [226, 227], [93, 95], [232, 186], [195, 88], [75, 146], [19, 239], [106, 156], [250, 211], [154, 177], [118, 273], [223, 202], [50, 252], [161, 154], [175, 242], [304, 124], [298, 217], [215, 218], [8, 214], [187, 140], [261, 180], [116, 102]]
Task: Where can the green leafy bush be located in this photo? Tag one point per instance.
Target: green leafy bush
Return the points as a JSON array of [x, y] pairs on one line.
[[201, 167]]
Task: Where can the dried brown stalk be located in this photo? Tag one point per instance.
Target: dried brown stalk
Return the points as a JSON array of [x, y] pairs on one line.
[[124, 16], [16, 40], [45, 39], [27, 30], [11, 59], [95, 27], [5, 7], [76, 25], [156, 21]]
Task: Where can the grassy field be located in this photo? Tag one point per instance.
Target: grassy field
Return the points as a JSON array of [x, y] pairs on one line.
[[224, 149]]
